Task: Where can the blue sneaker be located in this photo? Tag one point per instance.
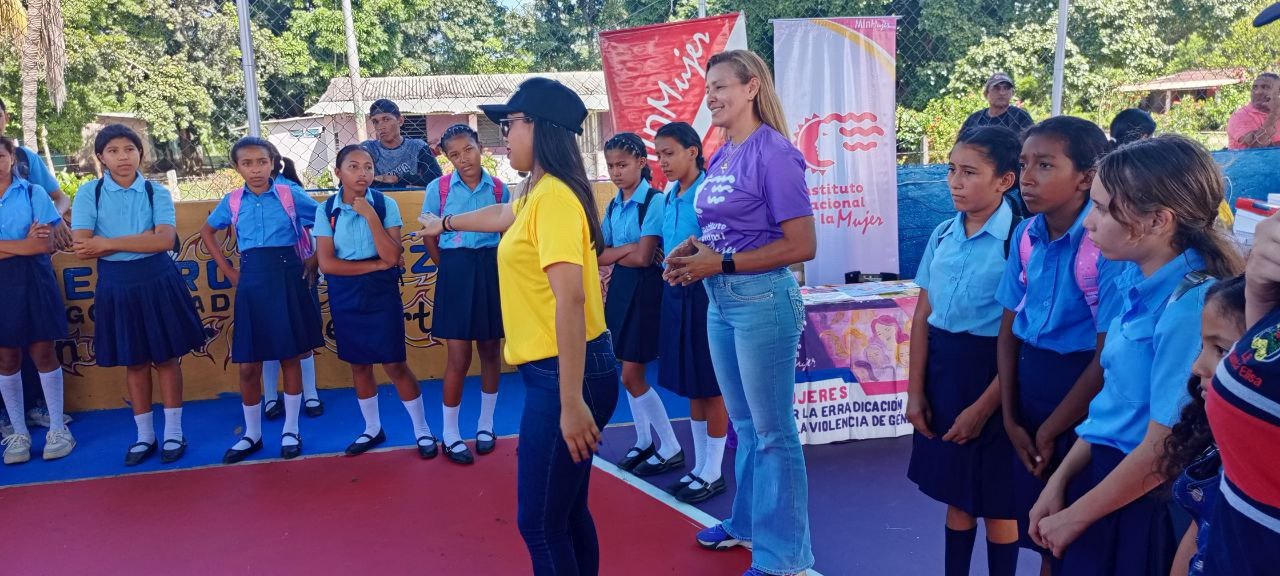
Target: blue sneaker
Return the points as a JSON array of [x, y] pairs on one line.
[[716, 538]]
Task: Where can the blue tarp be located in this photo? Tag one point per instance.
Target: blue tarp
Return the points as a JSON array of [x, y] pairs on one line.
[[924, 200]]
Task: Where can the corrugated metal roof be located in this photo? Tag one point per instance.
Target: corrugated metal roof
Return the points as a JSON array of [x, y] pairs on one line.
[[1190, 80], [453, 94]]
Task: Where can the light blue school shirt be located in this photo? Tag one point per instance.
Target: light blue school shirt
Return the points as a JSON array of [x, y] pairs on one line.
[[22, 205], [353, 240], [461, 200], [1056, 316], [39, 173], [122, 211], [679, 220], [622, 224], [1148, 356], [961, 274], [263, 223]]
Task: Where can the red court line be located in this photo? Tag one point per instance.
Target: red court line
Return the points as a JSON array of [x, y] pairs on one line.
[[380, 513]]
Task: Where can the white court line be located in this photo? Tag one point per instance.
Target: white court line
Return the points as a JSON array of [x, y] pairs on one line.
[[689, 510]]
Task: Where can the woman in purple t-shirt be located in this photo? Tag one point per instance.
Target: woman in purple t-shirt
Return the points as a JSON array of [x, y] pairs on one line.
[[756, 220]]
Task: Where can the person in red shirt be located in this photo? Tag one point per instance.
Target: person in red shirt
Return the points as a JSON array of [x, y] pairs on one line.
[[1255, 125]]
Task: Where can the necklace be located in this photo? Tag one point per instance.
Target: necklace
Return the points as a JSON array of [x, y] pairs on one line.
[[733, 151]]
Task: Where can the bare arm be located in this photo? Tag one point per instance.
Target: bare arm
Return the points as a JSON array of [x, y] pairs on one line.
[[1186, 551], [642, 256], [1073, 408], [331, 265], [1053, 498], [209, 237], [615, 254], [496, 218], [39, 240], [799, 243], [919, 413], [1263, 137], [432, 243], [576, 422]]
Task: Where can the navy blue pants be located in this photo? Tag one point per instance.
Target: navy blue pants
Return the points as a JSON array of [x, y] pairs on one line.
[[552, 490]]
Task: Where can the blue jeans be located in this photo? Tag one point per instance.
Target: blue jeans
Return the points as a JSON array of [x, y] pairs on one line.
[[753, 327], [551, 489]]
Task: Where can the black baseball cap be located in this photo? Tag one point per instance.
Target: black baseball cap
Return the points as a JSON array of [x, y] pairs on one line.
[[1267, 16], [545, 99], [384, 106]]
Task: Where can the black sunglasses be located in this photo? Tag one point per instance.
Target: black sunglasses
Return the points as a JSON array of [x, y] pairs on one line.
[[505, 123]]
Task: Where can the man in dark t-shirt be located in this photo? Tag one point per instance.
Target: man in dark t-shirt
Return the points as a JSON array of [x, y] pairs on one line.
[[1001, 111], [399, 162]]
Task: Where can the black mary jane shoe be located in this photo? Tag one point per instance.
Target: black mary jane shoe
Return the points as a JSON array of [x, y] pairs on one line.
[[430, 450], [168, 455], [463, 456], [290, 452], [274, 409], [233, 455], [132, 458], [635, 456], [663, 466], [314, 407], [357, 448], [680, 484], [700, 491], [486, 442]]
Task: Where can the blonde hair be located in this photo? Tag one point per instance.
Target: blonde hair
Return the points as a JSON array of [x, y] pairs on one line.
[[747, 65]]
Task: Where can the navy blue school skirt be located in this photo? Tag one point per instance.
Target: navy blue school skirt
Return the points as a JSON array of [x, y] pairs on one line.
[[368, 317], [686, 358], [973, 477], [1044, 378], [276, 317], [32, 309], [467, 305], [143, 313], [1136, 540], [633, 310], [1239, 545]]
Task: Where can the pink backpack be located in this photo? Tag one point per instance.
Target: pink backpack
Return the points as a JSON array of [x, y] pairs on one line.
[[304, 247], [446, 183], [1085, 269]]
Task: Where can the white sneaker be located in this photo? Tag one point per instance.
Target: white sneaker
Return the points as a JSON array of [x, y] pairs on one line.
[[38, 417], [17, 448], [6, 427], [58, 443]]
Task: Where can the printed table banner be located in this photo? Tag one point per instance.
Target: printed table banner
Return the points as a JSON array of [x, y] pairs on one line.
[[837, 82], [658, 74]]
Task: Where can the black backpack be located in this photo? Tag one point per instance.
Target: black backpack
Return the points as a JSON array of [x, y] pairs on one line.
[[644, 207], [22, 164], [151, 201], [1017, 217]]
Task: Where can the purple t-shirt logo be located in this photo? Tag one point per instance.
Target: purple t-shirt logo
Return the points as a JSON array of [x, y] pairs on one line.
[[750, 191]]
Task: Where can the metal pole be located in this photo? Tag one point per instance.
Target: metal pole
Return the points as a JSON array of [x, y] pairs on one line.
[[353, 70], [1060, 56], [249, 67], [702, 8]]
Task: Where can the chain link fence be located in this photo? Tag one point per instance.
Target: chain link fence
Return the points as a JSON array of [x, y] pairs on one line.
[[172, 69]]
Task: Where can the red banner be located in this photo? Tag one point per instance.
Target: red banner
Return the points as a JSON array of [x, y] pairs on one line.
[[657, 75]]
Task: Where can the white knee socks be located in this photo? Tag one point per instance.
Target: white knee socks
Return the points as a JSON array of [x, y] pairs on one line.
[[11, 391], [51, 383], [651, 404], [488, 403], [372, 418], [309, 378]]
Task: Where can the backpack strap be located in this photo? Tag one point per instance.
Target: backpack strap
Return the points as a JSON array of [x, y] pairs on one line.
[[1024, 257], [1086, 272], [1015, 218], [97, 193], [379, 204], [331, 211], [1189, 282], [445, 184], [234, 202], [499, 190], [644, 207]]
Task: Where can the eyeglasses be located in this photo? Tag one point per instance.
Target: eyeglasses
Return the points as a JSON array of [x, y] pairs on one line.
[[505, 123]]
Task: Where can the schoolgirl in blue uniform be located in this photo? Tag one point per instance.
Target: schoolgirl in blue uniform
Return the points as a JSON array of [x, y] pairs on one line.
[[276, 317], [32, 316], [1190, 453], [632, 308], [1058, 295], [286, 173], [358, 233], [1154, 205], [686, 367], [144, 314], [960, 453], [467, 303]]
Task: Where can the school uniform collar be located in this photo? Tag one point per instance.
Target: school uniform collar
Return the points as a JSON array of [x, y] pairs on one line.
[[271, 189], [485, 179], [637, 197], [673, 188], [1039, 227], [109, 184], [15, 184], [1157, 289], [340, 204], [997, 225]]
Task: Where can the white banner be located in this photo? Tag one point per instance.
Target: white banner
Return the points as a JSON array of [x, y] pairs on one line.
[[837, 80], [837, 411]]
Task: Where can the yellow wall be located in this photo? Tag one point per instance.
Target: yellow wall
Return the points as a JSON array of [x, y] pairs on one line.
[[210, 372]]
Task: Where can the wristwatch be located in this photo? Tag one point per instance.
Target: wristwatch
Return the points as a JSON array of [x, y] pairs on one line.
[[727, 265]]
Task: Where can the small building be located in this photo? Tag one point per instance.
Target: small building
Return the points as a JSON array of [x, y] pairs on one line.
[[1199, 84], [85, 158], [430, 104]]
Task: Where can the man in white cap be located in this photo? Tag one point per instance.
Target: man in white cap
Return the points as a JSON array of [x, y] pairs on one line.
[[1000, 110]]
